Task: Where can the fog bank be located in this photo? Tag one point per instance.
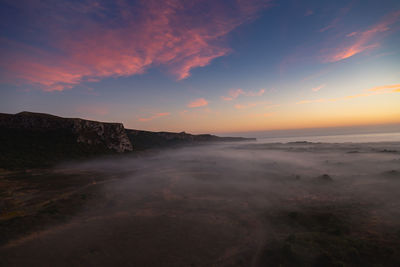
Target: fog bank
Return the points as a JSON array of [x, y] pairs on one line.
[[223, 204]]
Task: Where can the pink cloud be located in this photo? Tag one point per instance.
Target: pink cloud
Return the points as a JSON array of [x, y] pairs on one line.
[[235, 93], [316, 89], [200, 102], [165, 34], [364, 41], [155, 116]]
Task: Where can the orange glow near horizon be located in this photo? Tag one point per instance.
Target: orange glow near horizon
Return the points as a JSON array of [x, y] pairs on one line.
[[374, 106]]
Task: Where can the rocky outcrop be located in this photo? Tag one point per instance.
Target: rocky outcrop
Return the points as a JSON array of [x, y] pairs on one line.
[[111, 136]]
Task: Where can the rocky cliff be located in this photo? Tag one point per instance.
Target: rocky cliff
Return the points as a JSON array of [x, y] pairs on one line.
[[111, 135], [108, 135], [40, 140]]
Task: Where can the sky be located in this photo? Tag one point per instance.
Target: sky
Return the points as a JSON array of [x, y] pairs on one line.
[[203, 66]]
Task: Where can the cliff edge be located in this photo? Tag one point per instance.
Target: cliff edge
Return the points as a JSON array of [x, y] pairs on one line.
[[110, 136], [39, 140]]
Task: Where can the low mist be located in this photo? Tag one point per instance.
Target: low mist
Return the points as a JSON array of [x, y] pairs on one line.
[[231, 204]]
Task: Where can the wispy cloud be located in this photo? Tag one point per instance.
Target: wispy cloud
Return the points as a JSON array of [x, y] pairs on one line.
[[351, 34], [342, 12], [316, 89], [200, 102], [235, 93], [330, 25], [385, 87], [155, 116], [94, 39], [363, 41], [395, 88]]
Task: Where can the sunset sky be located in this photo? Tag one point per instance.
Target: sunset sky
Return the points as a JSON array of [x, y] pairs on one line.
[[204, 65]]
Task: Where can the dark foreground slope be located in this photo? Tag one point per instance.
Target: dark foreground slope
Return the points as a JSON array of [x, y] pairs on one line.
[[30, 139]]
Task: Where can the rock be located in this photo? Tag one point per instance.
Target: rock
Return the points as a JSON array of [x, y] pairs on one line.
[[111, 136]]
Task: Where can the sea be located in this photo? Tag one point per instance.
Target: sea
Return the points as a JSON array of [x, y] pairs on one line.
[[341, 138]]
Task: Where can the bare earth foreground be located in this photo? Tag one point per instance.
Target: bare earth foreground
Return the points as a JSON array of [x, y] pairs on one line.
[[242, 204]]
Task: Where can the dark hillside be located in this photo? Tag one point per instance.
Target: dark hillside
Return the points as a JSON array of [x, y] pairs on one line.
[[39, 140], [146, 140]]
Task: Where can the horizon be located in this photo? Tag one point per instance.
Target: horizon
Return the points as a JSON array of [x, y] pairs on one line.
[[251, 67], [325, 131], [282, 133]]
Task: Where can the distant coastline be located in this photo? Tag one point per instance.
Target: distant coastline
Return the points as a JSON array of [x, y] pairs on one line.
[[341, 138]]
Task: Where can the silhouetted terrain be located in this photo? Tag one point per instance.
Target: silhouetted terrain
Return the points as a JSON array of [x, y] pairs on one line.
[[40, 140], [145, 140], [30, 140]]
